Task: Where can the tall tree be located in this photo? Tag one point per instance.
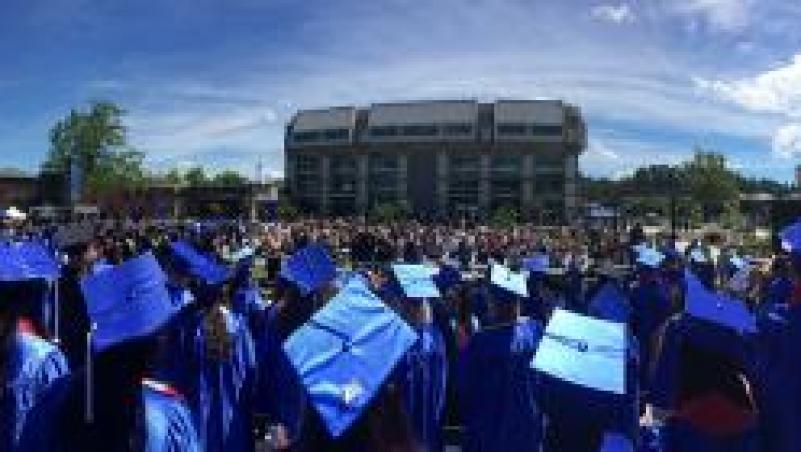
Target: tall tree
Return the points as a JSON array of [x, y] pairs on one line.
[[711, 183], [94, 142]]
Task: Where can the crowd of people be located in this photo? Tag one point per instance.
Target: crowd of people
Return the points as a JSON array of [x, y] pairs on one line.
[[340, 335]]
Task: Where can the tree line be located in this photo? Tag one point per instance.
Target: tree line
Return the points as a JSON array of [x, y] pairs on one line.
[[94, 142]]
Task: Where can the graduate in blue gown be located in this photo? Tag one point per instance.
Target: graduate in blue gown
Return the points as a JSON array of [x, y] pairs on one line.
[[496, 388], [422, 372], [344, 356], [780, 378], [223, 356], [29, 364], [705, 384], [779, 339], [114, 403], [651, 308], [225, 351]]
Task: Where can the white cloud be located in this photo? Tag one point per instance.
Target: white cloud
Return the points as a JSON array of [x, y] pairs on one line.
[[617, 14], [721, 15], [614, 156], [787, 141], [777, 90]]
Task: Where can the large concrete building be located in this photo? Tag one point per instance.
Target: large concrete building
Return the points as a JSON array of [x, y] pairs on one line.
[[448, 158]]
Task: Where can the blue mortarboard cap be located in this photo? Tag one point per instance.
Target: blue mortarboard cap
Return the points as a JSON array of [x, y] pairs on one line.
[[127, 301], [508, 280], [615, 442], [101, 265], [416, 280], [346, 351], [310, 268], [539, 263], [717, 308], [344, 275], [610, 303], [584, 351], [199, 265], [21, 261], [650, 257], [791, 237], [697, 255]]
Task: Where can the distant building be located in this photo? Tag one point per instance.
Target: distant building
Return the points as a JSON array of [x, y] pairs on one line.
[[46, 195], [445, 158], [18, 189]]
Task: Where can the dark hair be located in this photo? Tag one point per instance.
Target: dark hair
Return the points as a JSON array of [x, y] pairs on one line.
[[117, 401], [383, 426]]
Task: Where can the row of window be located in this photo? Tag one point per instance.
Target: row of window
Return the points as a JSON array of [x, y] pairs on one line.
[[422, 130], [428, 130], [311, 136], [457, 164], [524, 130]]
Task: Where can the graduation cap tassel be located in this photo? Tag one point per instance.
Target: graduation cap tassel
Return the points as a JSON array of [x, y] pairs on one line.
[[89, 414]]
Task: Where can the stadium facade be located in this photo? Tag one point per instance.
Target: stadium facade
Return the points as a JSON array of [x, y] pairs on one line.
[[440, 158]]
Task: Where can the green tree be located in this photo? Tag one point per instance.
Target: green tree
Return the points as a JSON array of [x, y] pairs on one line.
[[732, 218], [174, 177], [505, 217], [389, 212], [229, 178], [710, 182], [86, 137], [287, 211], [196, 177], [94, 141], [122, 170]]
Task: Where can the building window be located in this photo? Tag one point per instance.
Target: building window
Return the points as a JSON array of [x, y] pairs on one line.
[[549, 183], [512, 129], [383, 163], [337, 134], [465, 164], [547, 131], [383, 132], [306, 137], [419, 130], [506, 164], [308, 164], [458, 130], [343, 165]]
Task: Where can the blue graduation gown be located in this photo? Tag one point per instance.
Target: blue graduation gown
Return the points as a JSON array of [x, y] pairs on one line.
[[423, 374], [680, 437], [223, 397], [279, 396], [169, 422], [779, 384], [497, 390], [651, 308], [35, 364], [779, 291]]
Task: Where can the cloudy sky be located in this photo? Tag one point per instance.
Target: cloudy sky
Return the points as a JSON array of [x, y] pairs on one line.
[[214, 81]]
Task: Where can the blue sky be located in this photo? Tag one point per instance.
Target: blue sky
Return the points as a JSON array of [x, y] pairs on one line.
[[214, 81]]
